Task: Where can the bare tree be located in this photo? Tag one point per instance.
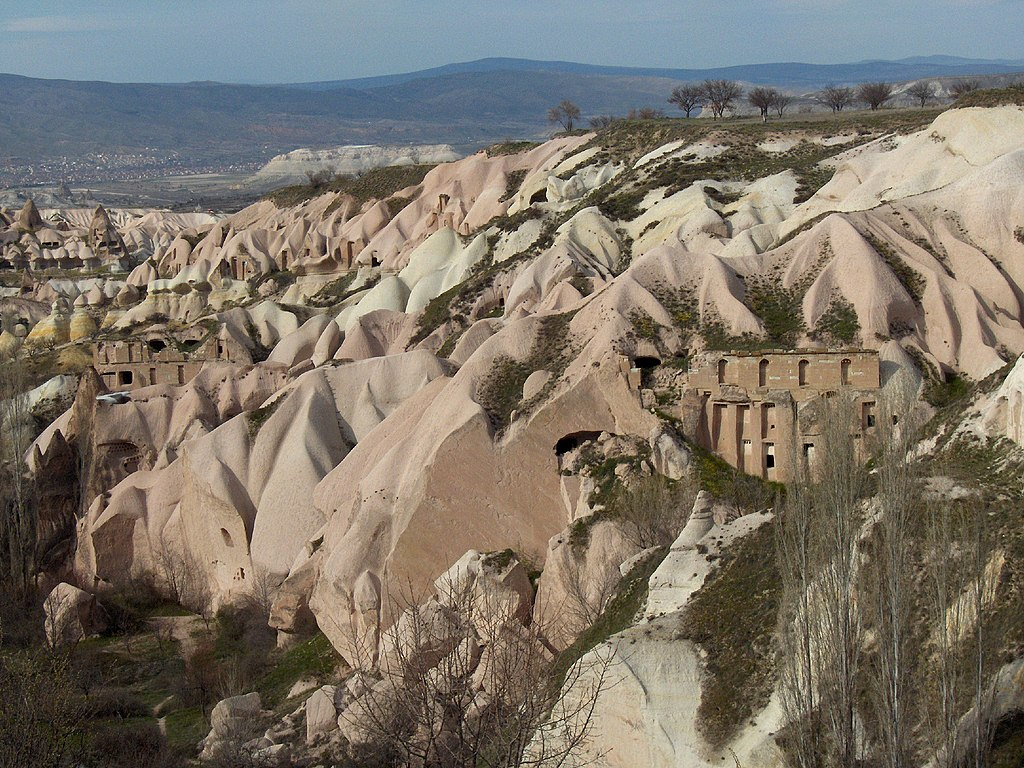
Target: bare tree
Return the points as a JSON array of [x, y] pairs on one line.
[[687, 97], [963, 87], [836, 97], [720, 95], [565, 114], [798, 657], [41, 713], [838, 488], [466, 684], [588, 590], [18, 522], [652, 511], [781, 102], [763, 99], [599, 122], [645, 113], [183, 578], [922, 92], [262, 590], [874, 94], [948, 579], [891, 587]]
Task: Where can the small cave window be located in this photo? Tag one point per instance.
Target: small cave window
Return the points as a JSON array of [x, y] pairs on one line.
[[573, 441], [227, 537], [646, 362], [540, 196], [802, 373], [722, 365], [125, 378], [762, 373], [808, 453]]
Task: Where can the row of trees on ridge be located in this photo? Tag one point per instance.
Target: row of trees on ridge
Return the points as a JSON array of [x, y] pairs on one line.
[[721, 96]]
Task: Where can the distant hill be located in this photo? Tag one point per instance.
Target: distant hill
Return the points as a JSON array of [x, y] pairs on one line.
[[467, 104], [791, 75]]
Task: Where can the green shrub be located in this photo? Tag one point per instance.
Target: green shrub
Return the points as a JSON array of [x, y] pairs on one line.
[[624, 206]]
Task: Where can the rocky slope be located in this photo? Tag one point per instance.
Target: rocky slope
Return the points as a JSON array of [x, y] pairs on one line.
[[455, 367]]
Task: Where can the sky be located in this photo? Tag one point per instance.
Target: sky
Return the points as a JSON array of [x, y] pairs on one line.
[[308, 40]]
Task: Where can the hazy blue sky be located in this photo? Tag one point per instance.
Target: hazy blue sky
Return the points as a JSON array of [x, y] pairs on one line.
[[294, 40]]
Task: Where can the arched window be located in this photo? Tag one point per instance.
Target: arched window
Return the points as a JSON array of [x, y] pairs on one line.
[[721, 371], [802, 373], [762, 373], [844, 372]]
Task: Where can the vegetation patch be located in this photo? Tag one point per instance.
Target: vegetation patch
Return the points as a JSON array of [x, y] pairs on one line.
[[911, 280], [630, 596], [376, 184], [624, 206], [733, 618], [838, 324], [510, 148], [315, 658], [334, 292], [744, 492], [780, 309], [513, 181], [436, 313], [501, 392], [256, 419], [992, 97]]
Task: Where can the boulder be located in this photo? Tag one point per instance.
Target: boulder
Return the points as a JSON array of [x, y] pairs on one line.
[[70, 615], [669, 454], [232, 721], [321, 715]]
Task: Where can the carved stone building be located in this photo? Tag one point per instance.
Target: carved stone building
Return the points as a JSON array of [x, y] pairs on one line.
[[161, 357], [761, 411]]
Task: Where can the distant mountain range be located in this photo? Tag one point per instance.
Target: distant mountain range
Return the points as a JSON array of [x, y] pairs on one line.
[[468, 104]]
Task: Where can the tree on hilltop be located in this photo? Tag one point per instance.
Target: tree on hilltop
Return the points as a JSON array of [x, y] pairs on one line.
[[780, 102], [874, 94], [921, 92], [720, 95], [565, 114], [763, 99], [835, 97], [687, 97]]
